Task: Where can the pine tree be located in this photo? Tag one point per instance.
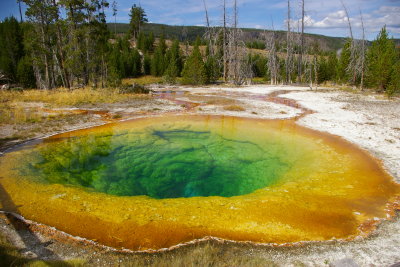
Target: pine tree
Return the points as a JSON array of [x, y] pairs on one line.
[[381, 57], [344, 61], [149, 44], [39, 40], [158, 64], [194, 71], [137, 63], [212, 69], [147, 64], [25, 75], [11, 47], [114, 67], [175, 55], [323, 70], [141, 41], [174, 63], [138, 18], [394, 85], [211, 66], [171, 72], [332, 67]]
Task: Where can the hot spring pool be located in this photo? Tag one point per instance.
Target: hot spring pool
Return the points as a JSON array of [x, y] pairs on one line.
[[156, 182]]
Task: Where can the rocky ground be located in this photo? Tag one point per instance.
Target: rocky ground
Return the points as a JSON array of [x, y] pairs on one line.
[[370, 121]]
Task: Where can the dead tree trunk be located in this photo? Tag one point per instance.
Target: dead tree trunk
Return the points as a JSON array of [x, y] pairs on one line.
[[61, 56], [353, 49], [224, 44], [272, 57], [301, 43], [288, 46], [362, 55], [20, 10], [209, 35]]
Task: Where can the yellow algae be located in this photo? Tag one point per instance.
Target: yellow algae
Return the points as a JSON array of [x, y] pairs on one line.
[[322, 188]]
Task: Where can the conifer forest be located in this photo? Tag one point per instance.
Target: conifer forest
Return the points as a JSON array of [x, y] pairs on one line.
[[69, 44]]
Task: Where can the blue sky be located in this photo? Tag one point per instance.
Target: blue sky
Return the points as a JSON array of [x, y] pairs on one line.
[[325, 17]]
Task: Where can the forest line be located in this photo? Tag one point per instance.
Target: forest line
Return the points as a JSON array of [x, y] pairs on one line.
[[51, 50]]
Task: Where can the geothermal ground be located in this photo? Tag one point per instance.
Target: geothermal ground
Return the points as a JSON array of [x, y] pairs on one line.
[[370, 121]]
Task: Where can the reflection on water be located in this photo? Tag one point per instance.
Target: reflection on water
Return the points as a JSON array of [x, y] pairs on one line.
[[158, 182]]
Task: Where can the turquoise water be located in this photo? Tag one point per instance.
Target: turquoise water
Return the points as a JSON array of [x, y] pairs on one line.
[[159, 163]]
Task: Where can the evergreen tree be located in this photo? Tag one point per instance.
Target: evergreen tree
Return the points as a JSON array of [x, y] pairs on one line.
[[11, 47], [158, 64], [141, 41], [149, 44], [176, 57], [394, 85], [99, 36], [174, 63], [194, 71], [25, 75], [344, 60], [211, 66], [136, 63], [323, 70], [212, 69], [147, 64], [258, 64], [381, 57], [114, 67], [171, 72], [332, 67], [39, 41], [138, 18]]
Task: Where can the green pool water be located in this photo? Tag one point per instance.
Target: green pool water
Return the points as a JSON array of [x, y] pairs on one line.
[[156, 182], [160, 162]]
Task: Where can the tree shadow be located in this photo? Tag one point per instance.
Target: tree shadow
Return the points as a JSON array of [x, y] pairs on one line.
[[31, 241]]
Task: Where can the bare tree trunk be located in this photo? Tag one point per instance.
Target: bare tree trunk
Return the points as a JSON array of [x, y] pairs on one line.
[[348, 20], [288, 45], [224, 45], [311, 71], [64, 71], [208, 34], [46, 61], [205, 9], [236, 63], [20, 10], [301, 42], [353, 48], [272, 58], [316, 72], [115, 25], [362, 56]]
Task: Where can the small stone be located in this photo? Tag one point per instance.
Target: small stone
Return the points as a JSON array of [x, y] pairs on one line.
[[30, 255]]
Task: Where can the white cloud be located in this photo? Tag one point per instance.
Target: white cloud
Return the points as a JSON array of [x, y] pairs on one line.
[[373, 21]]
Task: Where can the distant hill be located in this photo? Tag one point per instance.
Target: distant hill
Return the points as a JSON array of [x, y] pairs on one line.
[[190, 33]]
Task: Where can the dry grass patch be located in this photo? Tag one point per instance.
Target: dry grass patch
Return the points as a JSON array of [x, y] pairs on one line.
[[234, 108], [27, 106], [144, 80], [65, 97]]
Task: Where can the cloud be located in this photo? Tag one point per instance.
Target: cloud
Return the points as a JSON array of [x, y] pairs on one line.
[[322, 16], [373, 21]]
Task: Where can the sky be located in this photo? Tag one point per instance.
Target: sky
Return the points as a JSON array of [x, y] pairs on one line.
[[326, 17]]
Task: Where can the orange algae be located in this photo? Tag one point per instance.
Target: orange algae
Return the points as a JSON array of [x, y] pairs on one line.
[[330, 191]]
